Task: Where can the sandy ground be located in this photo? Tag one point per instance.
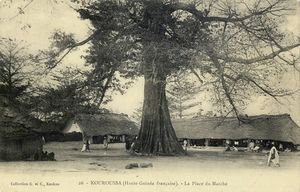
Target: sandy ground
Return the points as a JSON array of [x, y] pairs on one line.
[[99, 170]]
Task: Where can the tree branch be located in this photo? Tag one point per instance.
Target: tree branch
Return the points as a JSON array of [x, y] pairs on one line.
[[196, 74], [71, 47], [204, 18], [259, 58]]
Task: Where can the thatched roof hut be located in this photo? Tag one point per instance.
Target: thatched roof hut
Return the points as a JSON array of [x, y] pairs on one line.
[[18, 139], [103, 124], [262, 127], [14, 124]]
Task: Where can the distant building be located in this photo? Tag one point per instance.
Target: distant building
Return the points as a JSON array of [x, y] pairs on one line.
[[97, 126], [215, 131]]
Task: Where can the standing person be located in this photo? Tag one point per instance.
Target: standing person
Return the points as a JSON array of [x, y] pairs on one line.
[[127, 143], [85, 147], [105, 143], [185, 143], [133, 145], [273, 157], [280, 147]]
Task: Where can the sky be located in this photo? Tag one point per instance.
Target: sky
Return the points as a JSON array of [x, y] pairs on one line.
[[42, 17]]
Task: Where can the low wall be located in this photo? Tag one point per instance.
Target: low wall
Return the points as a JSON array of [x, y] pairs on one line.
[[12, 149]]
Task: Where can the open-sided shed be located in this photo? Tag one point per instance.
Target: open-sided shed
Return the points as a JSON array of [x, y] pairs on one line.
[[116, 126], [262, 127]]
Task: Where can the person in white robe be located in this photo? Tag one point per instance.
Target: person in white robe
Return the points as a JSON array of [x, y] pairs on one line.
[[273, 157]]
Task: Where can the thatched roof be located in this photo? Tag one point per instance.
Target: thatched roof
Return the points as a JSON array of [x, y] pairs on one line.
[[13, 124], [266, 127], [106, 124]]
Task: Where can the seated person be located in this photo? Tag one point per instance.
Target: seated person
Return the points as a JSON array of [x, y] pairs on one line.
[[234, 148], [256, 148]]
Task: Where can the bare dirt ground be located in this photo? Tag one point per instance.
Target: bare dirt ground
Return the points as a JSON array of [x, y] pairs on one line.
[[201, 170]]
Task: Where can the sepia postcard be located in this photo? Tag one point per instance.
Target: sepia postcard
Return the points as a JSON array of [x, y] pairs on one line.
[[150, 95]]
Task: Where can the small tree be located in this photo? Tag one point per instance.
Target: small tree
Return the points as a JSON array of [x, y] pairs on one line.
[[181, 95]]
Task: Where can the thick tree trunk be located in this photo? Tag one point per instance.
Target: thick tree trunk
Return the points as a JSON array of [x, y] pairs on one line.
[[157, 135]]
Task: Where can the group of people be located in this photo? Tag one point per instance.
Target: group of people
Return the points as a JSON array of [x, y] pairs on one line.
[[129, 143], [254, 147], [86, 144], [273, 157], [44, 156]]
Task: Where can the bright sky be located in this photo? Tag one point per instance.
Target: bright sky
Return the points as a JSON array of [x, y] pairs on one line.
[[42, 17]]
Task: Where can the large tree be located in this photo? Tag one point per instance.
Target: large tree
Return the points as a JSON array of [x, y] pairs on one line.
[[236, 45], [17, 69]]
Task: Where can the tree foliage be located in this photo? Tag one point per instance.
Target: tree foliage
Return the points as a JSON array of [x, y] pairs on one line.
[[71, 96], [17, 69], [182, 95], [234, 43], [234, 47]]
